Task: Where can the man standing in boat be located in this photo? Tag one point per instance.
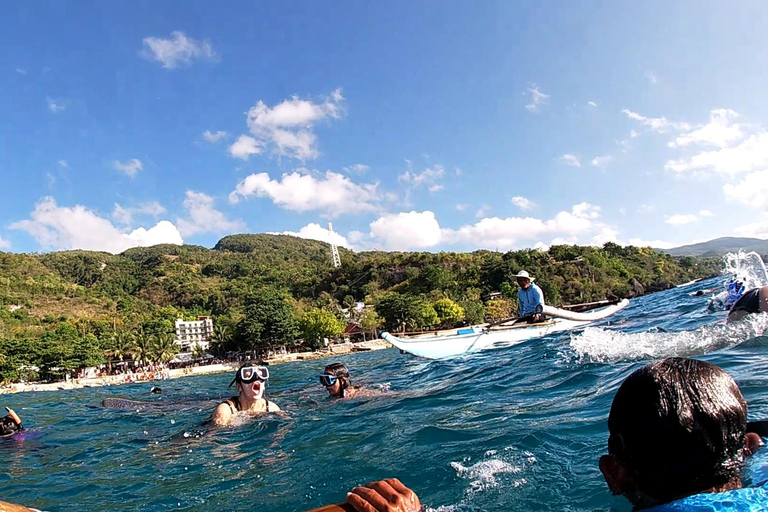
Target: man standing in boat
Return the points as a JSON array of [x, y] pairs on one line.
[[530, 297]]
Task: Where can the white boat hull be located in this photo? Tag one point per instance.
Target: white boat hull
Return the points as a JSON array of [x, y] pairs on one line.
[[440, 347]]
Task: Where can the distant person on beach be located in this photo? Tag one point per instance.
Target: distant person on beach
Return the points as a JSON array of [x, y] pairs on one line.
[[530, 297], [251, 384], [678, 441], [753, 301], [10, 424]]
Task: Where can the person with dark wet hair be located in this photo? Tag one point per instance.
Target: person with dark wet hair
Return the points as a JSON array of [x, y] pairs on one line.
[[678, 441], [10, 424], [753, 301], [678, 428], [336, 380], [251, 383]]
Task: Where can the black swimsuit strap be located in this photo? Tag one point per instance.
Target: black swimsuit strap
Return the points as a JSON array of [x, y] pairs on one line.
[[234, 404]]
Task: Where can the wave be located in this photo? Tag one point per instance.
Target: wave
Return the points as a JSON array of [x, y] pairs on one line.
[[598, 345]]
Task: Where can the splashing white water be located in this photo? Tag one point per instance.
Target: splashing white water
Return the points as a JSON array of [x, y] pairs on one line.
[[484, 474], [596, 345], [748, 266]]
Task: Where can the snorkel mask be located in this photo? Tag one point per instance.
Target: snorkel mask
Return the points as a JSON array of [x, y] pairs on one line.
[[327, 380], [248, 374], [10, 424]]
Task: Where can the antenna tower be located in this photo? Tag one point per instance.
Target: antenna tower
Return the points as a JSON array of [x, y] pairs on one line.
[[334, 249]]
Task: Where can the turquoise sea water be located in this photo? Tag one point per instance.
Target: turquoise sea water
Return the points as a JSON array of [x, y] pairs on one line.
[[519, 428]]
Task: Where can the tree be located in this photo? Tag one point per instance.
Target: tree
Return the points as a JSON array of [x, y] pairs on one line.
[[316, 324], [474, 311], [370, 321], [499, 308], [141, 350], [269, 319], [198, 352], [448, 312], [164, 348]]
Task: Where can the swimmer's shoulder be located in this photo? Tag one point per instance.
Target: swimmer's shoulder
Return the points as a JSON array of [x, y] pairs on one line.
[[273, 407]]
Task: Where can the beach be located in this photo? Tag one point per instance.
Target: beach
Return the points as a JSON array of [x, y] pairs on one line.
[[116, 380]]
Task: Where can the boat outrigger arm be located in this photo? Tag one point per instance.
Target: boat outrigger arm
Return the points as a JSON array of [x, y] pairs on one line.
[[476, 338]]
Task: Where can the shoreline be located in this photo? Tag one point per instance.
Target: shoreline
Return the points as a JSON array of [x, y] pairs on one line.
[[117, 380]]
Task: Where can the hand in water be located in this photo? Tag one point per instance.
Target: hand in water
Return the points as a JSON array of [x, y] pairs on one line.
[[384, 496]]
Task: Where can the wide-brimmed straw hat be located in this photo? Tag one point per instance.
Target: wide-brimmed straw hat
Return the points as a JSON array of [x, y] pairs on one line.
[[525, 275]]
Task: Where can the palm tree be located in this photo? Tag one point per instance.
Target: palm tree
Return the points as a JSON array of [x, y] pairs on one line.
[[220, 340], [141, 347], [198, 352], [122, 345], [164, 348]]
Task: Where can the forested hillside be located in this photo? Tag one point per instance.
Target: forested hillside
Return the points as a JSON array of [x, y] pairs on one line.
[[64, 310]]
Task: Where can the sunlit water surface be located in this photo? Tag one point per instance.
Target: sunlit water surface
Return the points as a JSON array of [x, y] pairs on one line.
[[520, 428]]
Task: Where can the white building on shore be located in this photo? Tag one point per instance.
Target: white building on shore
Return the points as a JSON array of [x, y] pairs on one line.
[[194, 332]]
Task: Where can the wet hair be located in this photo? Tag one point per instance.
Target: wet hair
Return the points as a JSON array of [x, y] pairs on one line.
[[679, 427], [339, 370], [9, 426]]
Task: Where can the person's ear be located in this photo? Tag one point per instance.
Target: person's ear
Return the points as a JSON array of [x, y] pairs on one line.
[[753, 442], [615, 474]]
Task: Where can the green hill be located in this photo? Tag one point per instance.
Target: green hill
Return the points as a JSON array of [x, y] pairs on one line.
[[96, 299], [719, 247]]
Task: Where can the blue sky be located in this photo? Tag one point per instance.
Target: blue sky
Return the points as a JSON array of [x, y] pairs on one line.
[[409, 125]]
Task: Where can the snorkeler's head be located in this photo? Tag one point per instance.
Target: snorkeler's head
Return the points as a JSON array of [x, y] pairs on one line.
[[249, 373], [677, 428], [335, 378], [10, 424]]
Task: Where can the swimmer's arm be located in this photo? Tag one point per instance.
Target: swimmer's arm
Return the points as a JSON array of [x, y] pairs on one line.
[[222, 415], [273, 407]]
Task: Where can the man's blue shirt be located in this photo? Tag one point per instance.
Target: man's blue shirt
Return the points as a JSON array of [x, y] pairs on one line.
[[529, 299]]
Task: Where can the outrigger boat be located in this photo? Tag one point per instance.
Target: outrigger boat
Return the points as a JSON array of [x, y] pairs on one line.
[[477, 338]]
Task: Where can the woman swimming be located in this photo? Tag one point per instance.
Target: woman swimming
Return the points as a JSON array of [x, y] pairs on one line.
[[251, 383]]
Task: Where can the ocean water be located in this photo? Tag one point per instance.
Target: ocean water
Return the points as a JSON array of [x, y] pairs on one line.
[[519, 428]]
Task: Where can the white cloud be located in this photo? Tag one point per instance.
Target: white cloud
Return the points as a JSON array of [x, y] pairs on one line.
[[657, 124], [244, 147], [405, 231], [63, 163], [124, 216], [706, 213], [21, 71], [601, 161], [656, 244], [523, 203], [512, 232], [176, 51], [202, 217], [56, 227], [214, 137], [288, 126], [680, 220], [458, 172], [651, 78], [355, 237], [429, 178], [315, 231], [484, 209], [751, 154], [51, 179], [606, 234], [56, 105], [462, 207], [356, 169], [591, 103], [131, 167], [4, 244], [333, 194], [751, 191], [571, 160], [646, 208], [538, 98], [720, 131]]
